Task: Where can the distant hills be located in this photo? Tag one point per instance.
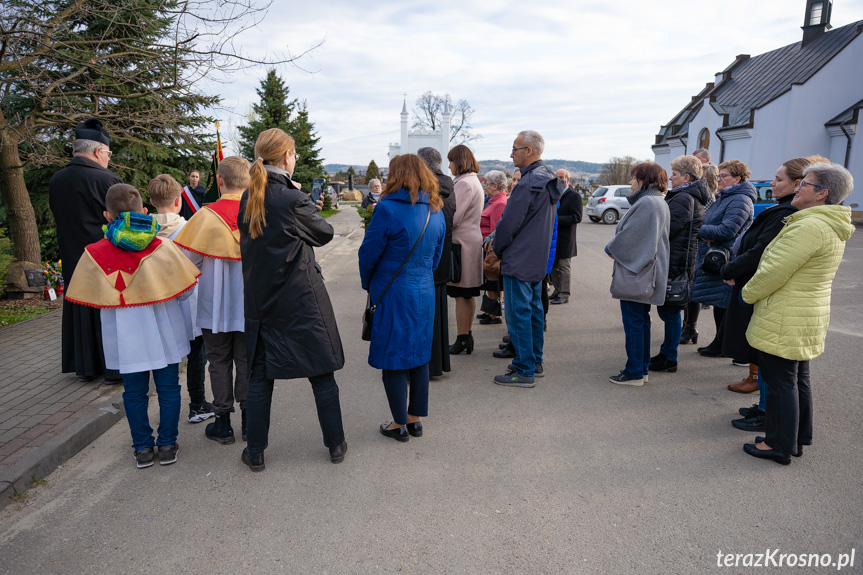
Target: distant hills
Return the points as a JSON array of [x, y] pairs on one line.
[[584, 169]]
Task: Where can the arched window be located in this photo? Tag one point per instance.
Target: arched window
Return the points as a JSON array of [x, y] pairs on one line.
[[704, 139]]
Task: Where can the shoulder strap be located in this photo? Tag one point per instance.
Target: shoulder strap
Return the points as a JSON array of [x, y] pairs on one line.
[[406, 259]]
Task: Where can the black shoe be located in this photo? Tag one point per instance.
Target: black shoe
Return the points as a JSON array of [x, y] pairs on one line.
[[168, 454], [415, 429], [482, 316], [506, 339], [144, 457], [462, 343], [754, 423], [491, 321], [113, 377], [220, 430], [750, 411], [254, 459], [243, 425], [337, 453], [515, 379], [759, 439], [399, 433], [661, 363], [623, 379], [776, 456], [559, 300], [688, 335], [502, 345], [506, 352], [710, 351], [537, 370]]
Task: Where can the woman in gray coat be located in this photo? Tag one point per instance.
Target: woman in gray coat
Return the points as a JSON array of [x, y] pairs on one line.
[[640, 251]]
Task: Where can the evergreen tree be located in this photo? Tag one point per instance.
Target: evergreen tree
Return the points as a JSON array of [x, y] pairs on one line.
[[273, 111], [372, 171], [310, 165]]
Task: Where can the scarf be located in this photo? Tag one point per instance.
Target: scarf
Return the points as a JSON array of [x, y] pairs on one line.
[[131, 231], [650, 190]]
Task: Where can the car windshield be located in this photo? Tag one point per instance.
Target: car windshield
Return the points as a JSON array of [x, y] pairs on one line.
[[599, 192]]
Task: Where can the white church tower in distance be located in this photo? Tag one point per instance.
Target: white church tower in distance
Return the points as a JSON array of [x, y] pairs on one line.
[[411, 141]]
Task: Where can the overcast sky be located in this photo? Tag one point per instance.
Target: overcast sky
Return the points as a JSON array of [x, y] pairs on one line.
[[595, 78]]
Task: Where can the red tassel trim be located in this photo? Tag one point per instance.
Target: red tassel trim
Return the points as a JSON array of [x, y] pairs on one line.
[[124, 304]]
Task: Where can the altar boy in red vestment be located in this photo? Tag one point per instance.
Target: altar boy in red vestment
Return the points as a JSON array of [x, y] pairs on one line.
[[137, 281], [212, 241]]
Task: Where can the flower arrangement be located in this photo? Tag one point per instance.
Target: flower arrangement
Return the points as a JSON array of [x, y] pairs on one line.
[[54, 272]]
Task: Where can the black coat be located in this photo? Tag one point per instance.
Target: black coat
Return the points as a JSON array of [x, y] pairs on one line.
[[763, 230], [686, 203], [76, 195], [441, 273], [287, 306], [569, 213], [198, 193]]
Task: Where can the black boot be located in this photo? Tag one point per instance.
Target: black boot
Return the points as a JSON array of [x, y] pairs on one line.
[[243, 413], [462, 343], [254, 459], [220, 430], [689, 334]]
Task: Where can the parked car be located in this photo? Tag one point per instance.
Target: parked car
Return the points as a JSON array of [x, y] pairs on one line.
[[608, 203], [765, 195]]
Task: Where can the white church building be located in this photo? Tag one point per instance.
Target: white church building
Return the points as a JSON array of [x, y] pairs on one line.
[[411, 141], [798, 100]]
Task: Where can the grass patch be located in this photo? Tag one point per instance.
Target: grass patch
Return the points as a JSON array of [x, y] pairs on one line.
[[10, 315], [327, 213]]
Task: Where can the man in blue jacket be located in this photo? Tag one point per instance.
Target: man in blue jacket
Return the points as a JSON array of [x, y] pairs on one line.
[[522, 242]]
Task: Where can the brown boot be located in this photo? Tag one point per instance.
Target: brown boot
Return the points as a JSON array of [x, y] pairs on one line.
[[749, 384]]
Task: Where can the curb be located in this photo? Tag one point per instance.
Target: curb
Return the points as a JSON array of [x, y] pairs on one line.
[[58, 450]]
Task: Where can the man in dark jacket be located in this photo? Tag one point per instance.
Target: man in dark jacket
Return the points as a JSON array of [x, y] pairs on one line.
[[569, 213], [193, 195], [76, 195], [522, 242], [440, 337]]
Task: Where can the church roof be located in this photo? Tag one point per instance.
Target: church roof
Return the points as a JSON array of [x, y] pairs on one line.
[[750, 83]]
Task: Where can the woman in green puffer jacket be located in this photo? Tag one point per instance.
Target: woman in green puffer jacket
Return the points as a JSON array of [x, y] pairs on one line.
[[791, 293]]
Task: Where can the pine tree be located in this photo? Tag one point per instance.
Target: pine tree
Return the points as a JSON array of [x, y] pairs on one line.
[[273, 111], [310, 165], [372, 171]]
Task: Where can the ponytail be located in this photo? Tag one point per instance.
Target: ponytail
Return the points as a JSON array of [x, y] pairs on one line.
[[270, 147], [256, 213]]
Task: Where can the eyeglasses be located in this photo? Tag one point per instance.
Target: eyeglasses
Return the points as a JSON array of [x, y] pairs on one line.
[[514, 150], [723, 176], [106, 151], [805, 183]]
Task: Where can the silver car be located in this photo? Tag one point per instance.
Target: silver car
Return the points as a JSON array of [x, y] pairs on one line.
[[608, 203]]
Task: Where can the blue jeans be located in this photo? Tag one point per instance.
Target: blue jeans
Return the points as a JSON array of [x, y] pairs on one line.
[[407, 392], [135, 401], [524, 321], [670, 315], [636, 326]]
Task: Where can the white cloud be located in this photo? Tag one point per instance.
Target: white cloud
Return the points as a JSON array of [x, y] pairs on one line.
[[597, 80]]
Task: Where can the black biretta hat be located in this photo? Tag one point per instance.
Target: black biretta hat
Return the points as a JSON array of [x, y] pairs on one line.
[[91, 129]]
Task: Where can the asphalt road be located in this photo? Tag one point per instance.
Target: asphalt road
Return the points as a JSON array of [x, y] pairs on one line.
[[574, 476]]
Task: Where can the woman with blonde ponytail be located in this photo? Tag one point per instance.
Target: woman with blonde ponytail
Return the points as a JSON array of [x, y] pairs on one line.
[[291, 328]]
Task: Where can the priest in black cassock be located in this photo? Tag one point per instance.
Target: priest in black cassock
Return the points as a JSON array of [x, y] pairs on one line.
[[76, 195]]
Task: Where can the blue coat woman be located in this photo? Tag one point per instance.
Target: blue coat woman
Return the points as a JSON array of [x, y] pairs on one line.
[[404, 319]]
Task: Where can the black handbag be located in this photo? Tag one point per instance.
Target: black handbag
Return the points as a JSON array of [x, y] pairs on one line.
[[677, 290], [714, 259], [455, 263], [369, 313]]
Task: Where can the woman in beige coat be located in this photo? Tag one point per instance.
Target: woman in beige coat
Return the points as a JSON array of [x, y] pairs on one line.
[[467, 235]]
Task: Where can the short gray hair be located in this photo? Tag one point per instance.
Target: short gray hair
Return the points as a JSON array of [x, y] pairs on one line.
[[85, 147], [533, 139], [834, 178], [702, 152], [374, 180], [497, 178], [431, 157]]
